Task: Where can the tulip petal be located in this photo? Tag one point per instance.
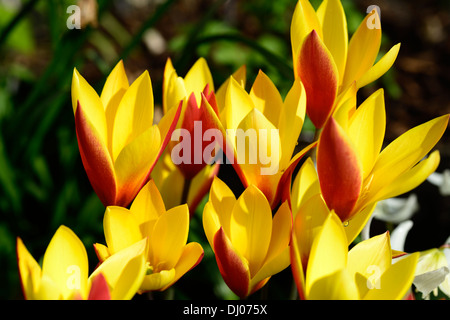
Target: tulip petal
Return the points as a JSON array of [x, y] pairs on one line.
[[290, 124], [298, 271], [113, 91], [158, 281], [231, 265], [217, 211], [29, 271], [281, 230], [367, 128], [335, 35], [134, 163], [134, 114], [308, 222], [240, 76], [148, 204], [336, 286], [251, 227], [190, 257], [306, 185], [354, 226], [121, 229], [319, 74], [380, 68], [85, 95], [304, 20], [362, 50], [169, 237], [328, 251], [266, 98], [339, 170], [96, 159], [200, 186], [411, 178], [396, 281], [405, 151], [237, 104], [99, 289], [124, 271], [66, 262], [174, 90], [197, 78], [373, 252], [259, 155]]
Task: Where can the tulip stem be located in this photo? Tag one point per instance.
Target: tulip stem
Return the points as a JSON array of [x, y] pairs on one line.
[[186, 187]]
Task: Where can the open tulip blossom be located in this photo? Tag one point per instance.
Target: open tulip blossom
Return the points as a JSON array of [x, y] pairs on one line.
[[301, 209]]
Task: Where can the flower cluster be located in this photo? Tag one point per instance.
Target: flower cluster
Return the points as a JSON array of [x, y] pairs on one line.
[[152, 174]]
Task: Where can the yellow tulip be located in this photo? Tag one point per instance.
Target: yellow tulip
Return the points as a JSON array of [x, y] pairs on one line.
[[333, 272], [188, 180], [165, 233], [324, 59], [354, 173], [249, 244], [118, 142], [64, 272], [261, 133]]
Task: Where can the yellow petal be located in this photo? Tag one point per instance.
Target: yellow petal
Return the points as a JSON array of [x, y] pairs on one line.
[[134, 163], [335, 34], [197, 78], [355, 225], [169, 237], [66, 262], [396, 281], [304, 20], [237, 104], [308, 222], [306, 185], [83, 93], [29, 271], [148, 204], [240, 76], [410, 179], [266, 98], [217, 211], [173, 87], [292, 117], [375, 251], [328, 251], [273, 266], [124, 271], [158, 281], [367, 128], [380, 68], [192, 255], [405, 151], [259, 155], [134, 114], [121, 229], [336, 286], [362, 51], [281, 230], [251, 227]]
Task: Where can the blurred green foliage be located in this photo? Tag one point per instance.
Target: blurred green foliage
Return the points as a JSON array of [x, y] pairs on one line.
[[42, 180]]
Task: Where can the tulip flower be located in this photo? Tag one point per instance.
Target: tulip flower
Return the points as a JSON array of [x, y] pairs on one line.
[[354, 173], [184, 175], [326, 62], [64, 272], [118, 142], [262, 132], [249, 244], [165, 233], [332, 272]]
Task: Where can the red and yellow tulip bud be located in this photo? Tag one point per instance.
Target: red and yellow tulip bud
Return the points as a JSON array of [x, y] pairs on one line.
[[249, 244], [119, 144], [64, 272], [354, 173], [319, 75]]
